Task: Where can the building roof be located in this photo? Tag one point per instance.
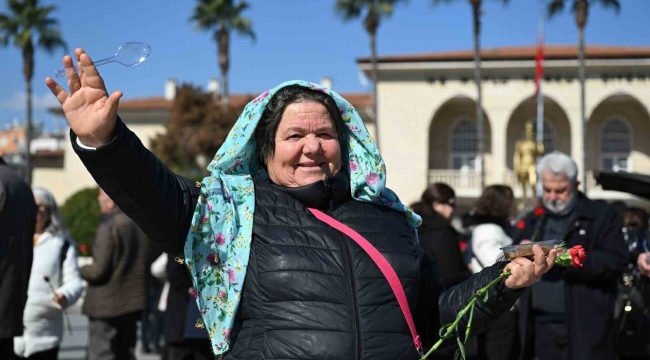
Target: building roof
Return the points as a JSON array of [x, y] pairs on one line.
[[238, 100], [551, 52]]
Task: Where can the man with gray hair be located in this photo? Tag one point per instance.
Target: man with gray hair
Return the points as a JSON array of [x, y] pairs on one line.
[[569, 313]]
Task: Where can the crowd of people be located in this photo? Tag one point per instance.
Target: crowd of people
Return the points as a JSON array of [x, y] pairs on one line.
[[572, 313], [293, 248]]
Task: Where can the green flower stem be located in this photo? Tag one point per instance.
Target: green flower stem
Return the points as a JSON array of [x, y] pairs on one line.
[[451, 327]]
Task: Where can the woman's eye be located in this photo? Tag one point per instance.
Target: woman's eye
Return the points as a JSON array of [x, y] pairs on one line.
[[294, 136], [325, 136]]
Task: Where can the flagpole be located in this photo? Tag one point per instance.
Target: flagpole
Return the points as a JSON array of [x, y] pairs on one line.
[[540, 95]]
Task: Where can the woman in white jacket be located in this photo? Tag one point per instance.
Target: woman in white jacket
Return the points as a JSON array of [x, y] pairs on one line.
[[55, 261]]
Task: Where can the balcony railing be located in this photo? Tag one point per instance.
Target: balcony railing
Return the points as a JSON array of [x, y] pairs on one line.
[[457, 179], [464, 180]]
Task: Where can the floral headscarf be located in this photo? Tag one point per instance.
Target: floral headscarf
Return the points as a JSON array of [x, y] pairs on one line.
[[218, 243]]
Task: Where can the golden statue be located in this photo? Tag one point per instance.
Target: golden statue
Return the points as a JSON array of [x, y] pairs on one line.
[[525, 162]]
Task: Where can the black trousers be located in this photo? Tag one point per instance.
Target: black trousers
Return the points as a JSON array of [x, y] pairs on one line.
[[501, 340], [52, 354], [198, 349], [551, 341], [113, 338], [7, 349], [151, 326]]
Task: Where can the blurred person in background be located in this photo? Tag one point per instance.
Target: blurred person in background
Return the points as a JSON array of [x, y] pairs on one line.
[[437, 236], [54, 267], [185, 336], [491, 223], [632, 323], [569, 314], [152, 320], [116, 295], [17, 222]]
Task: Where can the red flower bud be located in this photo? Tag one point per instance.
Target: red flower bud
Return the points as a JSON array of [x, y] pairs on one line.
[[539, 211], [578, 256], [521, 224]]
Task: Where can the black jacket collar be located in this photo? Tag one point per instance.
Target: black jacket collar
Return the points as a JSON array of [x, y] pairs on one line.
[[322, 195], [583, 209]]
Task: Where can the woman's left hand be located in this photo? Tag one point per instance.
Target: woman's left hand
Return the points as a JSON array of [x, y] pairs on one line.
[[525, 272]]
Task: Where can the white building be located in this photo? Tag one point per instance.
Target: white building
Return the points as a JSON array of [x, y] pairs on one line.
[[427, 114]]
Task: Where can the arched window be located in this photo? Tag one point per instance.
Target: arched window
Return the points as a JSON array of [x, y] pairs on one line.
[[464, 146], [615, 145], [549, 135]]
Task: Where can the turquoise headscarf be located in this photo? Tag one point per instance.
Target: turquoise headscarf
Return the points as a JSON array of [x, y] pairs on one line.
[[218, 243]]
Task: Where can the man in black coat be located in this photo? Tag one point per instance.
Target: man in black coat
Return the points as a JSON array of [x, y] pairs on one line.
[[17, 222], [569, 313]]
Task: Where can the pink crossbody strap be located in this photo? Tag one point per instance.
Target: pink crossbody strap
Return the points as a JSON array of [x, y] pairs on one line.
[[383, 265]]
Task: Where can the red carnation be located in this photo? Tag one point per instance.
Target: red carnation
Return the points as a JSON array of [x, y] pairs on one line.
[[578, 256], [83, 249], [539, 211], [463, 245], [521, 224]]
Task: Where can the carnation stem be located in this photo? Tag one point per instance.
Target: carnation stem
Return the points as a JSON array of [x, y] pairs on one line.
[[451, 327], [574, 257]]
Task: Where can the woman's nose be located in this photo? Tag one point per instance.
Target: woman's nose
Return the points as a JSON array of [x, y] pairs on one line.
[[312, 145]]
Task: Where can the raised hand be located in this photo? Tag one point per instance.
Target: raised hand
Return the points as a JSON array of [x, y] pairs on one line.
[[90, 111]]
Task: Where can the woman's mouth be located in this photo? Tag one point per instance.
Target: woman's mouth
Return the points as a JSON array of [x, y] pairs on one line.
[[309, 165]]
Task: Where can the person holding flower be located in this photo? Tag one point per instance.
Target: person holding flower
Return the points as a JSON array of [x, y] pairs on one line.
[[569, 314], [54, 284], [273, 277]]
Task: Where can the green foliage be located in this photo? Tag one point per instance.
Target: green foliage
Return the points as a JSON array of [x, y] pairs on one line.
[[197, 128], [81, 215], [374, 10], [556, 7], [24, 21]]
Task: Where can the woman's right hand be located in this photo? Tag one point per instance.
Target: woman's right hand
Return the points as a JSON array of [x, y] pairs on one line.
[[90, 111]]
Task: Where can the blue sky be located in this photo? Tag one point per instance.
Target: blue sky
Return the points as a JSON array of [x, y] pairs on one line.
[[296, 39]]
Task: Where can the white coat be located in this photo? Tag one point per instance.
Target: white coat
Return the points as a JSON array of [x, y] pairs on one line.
[[43, 320]]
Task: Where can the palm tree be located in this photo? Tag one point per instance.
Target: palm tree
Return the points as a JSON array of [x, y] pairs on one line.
[[476, 19], [24, 22], [375, 11], [581, 11], [224, 17]]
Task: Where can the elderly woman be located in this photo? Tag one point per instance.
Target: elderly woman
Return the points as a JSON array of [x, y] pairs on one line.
[[55, 259], [272, 280]]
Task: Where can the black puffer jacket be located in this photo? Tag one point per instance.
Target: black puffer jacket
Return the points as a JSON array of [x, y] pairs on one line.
[[310, 292], [440, 240]]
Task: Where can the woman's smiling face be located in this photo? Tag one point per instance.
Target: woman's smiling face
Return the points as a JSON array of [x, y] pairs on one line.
[[307, 147]]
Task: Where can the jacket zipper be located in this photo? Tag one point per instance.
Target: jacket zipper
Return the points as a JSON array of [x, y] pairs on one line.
[[347, 253], [353, 292]]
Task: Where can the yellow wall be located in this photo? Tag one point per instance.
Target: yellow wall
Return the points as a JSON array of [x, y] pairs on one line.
[[74, 177], [411, 146]]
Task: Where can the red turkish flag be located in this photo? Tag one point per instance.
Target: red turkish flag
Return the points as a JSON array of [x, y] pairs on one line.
[[539, 63]]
